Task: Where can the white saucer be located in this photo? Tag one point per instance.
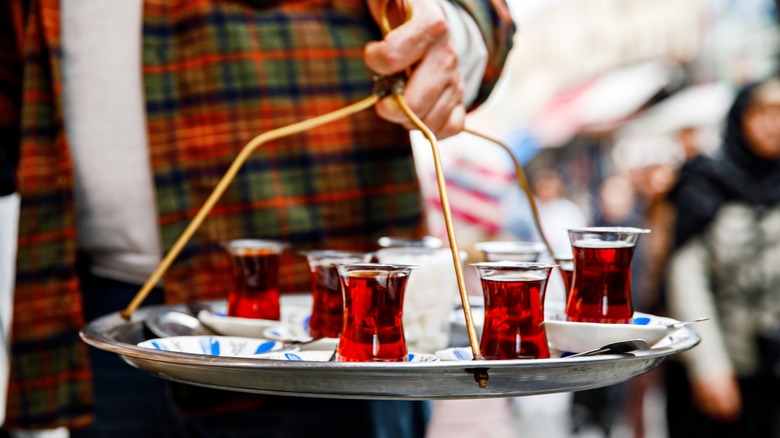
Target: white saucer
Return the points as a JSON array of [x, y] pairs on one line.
[[213, 345], [576, 337], [295, 313], [283, 333], [455, 353]]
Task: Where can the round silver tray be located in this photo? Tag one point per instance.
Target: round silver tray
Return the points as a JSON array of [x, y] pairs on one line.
[[408, 381]]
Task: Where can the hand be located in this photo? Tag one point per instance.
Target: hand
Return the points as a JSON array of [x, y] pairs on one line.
[[434, 90], [718, 398]]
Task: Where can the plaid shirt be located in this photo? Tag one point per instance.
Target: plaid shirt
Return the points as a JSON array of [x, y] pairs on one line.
[[256, 66]]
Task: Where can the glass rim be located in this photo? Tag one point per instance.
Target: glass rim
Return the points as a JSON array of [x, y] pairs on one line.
[[512, 265], [510, 246], [239, 244], [411, 250], [610, 230], [375, 266], [427, 242], [332, 252]]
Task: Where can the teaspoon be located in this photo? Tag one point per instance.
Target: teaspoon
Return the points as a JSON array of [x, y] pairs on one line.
[[618, 347]]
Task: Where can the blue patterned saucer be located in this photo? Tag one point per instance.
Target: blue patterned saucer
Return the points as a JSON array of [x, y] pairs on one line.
[[214, 345]]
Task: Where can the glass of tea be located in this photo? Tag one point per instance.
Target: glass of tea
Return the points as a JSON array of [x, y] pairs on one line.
[[514, 309], [373, 328], [512, 251], [429, 296], [327, 313], [255, 264], [601, 285], [566, 266]]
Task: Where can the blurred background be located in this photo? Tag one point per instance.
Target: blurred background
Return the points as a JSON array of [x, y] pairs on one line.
[[601, 88], [602, 101]]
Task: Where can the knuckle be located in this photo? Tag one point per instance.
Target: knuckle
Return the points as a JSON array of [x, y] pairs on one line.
[[456, 122], [438, 28], [449, 58], [414, 102], [391, 61], [381, 59], [458, 83]]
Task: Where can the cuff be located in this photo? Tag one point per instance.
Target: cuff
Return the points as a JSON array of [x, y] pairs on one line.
[[471, 49]]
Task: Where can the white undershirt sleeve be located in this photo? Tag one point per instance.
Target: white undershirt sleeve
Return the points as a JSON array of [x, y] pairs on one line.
[[9, 224], [470, 47]]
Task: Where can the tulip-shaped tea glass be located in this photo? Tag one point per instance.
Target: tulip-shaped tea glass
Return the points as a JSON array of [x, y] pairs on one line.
[[601, 286], [327, 313], [256, 278], [373, 328], [514, 309], [495, 251], [566, 266]]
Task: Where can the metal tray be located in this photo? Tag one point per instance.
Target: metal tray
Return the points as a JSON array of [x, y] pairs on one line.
[[407, 381]]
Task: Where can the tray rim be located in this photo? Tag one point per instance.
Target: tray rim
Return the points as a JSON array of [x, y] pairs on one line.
[[97, 334]]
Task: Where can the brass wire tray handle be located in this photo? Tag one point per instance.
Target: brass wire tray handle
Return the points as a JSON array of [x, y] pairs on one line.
[[120, 332]]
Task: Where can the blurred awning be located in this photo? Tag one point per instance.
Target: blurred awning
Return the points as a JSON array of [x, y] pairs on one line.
[[697, 106], [651, 136], [601, 103]]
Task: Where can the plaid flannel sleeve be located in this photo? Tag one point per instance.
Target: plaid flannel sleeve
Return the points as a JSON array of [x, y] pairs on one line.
[[497, 27]]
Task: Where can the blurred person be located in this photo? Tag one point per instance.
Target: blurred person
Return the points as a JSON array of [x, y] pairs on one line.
[[688, 140], [131, 114], [617, 202], [557, 212], [724, 266], [653, 183]]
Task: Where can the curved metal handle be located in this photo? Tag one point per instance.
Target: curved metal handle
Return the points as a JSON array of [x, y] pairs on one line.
[[395, 93], [223, 184]]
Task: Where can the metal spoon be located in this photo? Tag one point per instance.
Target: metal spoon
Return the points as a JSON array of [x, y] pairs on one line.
[[681, 324], [169, 323], [643, 320], [618, 347], [299, 342]]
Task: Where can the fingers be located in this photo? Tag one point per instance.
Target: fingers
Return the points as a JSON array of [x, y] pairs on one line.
[[454, 123], [435, 88], [436, 81], [451, 124], [407, 44], [434, 92]]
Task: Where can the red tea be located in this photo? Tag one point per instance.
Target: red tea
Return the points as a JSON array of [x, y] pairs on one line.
[[328, 308], [568, 272], [373, 310], [513, 315], [601, 289], [256, 277]]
